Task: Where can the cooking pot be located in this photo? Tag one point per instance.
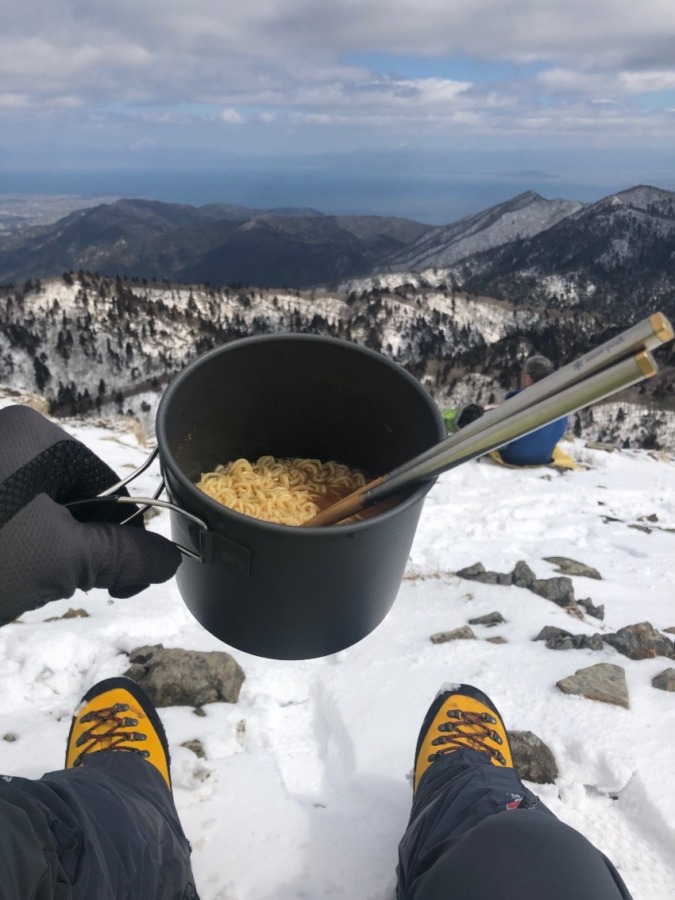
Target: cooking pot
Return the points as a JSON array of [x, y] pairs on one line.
[[280, 591]]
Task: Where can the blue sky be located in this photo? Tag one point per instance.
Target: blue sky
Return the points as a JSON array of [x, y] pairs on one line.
[[456, 68], [144, 84]]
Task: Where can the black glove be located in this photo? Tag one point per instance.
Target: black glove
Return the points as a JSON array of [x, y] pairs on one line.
[[46, 553]]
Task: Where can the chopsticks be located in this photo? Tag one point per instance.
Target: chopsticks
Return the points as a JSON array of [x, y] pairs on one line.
[[645, 335], [615, 365]]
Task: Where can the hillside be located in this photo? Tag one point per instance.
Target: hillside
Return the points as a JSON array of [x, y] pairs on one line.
[[91, 344], [613, 256], [218, 243], [298, 252], [524, 216]]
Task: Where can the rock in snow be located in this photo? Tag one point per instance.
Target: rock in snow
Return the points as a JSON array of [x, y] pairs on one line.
[[604, 681], [174, 677]]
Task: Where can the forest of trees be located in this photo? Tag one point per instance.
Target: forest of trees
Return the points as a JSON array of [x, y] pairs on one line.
[[84, 341]]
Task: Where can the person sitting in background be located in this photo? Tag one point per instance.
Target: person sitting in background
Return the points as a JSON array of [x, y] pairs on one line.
[[536, 448]]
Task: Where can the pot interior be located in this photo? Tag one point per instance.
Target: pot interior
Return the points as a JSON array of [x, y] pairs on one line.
[[294, 396]]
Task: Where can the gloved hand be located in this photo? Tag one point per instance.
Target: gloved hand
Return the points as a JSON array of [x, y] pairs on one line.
[[45, 551]]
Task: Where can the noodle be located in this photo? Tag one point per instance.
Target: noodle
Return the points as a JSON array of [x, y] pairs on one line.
[[284, 491]]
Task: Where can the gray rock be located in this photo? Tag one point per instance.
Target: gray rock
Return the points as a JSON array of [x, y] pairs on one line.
[[177, 677], [550, 632], [71, 614], [559, 639], [489, 619], [472, 572], [532, 758], [477, 572], [9, 737], [598, 612], [665, 681], [490, 578], [457, 634], [196, 746], [604, 682], [572, 567], [497, 639], [641, 641], [558, 589], [670, 629], [522, 575]]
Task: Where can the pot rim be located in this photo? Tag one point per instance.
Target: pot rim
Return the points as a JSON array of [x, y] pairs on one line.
[[168, 461]]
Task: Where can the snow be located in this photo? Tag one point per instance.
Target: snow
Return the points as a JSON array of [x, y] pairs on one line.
[[304, 789], [523, 217]]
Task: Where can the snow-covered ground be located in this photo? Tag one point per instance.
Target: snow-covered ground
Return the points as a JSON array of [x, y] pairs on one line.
[[303, 791]]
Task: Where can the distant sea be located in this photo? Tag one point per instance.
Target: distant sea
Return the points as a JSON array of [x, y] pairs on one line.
[[425, 195]]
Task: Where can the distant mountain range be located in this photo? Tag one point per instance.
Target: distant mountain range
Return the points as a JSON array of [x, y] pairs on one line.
[[219, 244], [616, 255]]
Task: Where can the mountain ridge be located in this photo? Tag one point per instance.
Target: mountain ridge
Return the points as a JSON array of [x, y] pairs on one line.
[[492, 227], [616, 253]]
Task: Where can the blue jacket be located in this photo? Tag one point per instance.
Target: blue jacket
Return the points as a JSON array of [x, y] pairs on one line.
[[535, 448]]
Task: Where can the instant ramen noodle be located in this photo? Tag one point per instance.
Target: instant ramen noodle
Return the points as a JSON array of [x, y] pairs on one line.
[[284, 491]]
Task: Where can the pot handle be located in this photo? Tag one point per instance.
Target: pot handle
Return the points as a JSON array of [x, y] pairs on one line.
[[144, 503], [114, 488]]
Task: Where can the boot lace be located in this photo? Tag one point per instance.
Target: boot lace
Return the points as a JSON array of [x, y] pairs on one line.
[[470, 731], [109, 729]]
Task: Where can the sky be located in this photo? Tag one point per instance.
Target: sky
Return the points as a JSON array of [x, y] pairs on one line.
[[577, 97]]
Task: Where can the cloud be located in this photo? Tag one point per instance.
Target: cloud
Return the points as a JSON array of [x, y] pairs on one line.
[[137, 63], [14, 101], [608, 84], [230, 117]]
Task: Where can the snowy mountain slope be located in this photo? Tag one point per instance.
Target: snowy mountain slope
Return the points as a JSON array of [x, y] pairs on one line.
[[524, 216], [58, 337], [613, 256], [308, 770], [91, 344]]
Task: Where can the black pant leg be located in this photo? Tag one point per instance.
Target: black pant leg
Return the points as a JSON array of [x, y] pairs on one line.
[[522, 855], [114, 826], [29, 861], [468, 822]]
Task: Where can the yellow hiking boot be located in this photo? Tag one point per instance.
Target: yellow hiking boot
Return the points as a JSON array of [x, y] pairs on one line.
[[461, 718], [116, 714]]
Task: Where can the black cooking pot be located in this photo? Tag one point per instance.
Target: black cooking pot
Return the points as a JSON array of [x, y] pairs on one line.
[[279, 591]]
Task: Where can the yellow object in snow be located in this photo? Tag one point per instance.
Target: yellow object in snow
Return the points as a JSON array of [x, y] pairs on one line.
[[560, 460]]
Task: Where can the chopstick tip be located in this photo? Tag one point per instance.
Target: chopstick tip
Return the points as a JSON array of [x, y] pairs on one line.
[[646, 364], [661, 326]]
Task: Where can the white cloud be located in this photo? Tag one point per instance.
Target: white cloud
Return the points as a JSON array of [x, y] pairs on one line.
[[126, 61], [647, 82], [14, 101], [606, 84], [230, 117]]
